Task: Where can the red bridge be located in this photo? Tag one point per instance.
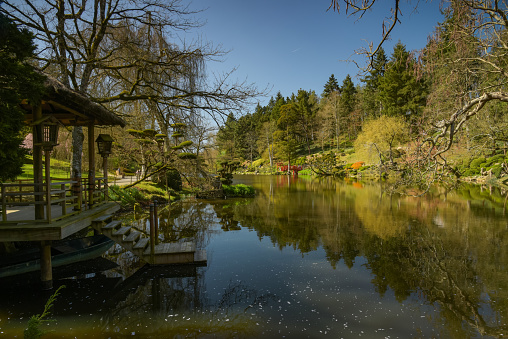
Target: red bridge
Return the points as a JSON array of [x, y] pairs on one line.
[[294, 169]]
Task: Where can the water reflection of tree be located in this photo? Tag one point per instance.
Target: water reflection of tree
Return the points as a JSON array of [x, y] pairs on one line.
[[167, 301], [443, 249], [224, 211]]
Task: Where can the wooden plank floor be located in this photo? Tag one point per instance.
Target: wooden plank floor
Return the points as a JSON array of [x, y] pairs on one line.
[[18, 213], [176, 253], [56, 230]]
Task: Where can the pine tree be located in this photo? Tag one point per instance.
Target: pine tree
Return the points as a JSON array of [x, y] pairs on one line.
[[400, 92], [331, 86], [348, 105], [371, 102], [18, 81]]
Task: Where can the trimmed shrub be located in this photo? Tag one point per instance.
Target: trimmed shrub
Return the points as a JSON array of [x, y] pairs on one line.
[[476, 164], [174, 180], [239, 190]]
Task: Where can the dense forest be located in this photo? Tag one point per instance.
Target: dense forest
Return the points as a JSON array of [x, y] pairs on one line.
[[437, 110], [424, 113]]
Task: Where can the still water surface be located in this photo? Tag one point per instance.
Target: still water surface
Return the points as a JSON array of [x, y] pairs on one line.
[[305, 258]]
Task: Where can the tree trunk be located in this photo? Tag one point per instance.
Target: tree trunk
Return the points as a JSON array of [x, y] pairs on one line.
[[77, 151]]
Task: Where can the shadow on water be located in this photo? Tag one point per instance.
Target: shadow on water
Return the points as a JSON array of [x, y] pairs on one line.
[[304, 258]]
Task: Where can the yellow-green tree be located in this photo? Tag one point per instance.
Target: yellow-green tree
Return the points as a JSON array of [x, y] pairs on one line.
[[379, 137]]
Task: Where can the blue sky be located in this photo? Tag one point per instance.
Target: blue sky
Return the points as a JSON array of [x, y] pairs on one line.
[[292, 44]]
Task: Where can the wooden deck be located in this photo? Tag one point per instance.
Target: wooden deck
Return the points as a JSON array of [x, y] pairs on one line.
[[60, 229], [153, 253]]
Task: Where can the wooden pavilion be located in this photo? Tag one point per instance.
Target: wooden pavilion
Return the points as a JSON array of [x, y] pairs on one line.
[[46, 209]]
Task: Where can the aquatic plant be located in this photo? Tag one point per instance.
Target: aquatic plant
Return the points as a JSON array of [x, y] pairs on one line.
[[33, 330]]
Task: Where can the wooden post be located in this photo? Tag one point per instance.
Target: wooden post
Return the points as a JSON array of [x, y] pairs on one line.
[[91, 165], [37, 159], [156, 222], [47, 176], [46, 269], [4, 204], [63, 195], [105, 174], [21, 189], [152, 231]]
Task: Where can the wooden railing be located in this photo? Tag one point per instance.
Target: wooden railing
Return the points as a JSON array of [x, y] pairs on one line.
[[36, 202]]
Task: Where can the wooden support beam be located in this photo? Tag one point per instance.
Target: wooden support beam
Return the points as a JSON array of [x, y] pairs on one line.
[[46, 268], [91, 164], [37, 160], [47, 175]]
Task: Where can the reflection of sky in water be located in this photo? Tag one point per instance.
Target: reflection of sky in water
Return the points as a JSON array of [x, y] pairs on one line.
[[266, 288]]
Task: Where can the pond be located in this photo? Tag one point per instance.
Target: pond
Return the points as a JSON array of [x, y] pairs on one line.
[[305, 258]]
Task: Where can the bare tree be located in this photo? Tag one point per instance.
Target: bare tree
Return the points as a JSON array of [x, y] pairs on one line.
[[119, 52], [481, 72]]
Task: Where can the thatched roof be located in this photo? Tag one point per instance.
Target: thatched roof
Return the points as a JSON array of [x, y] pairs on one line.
[[71, 108]]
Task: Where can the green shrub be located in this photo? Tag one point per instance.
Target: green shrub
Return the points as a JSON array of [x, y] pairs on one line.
[[239, 190], [306, 171], [495, 159], [301, 161], [126, 196], [174, 180], [476, 164], [257, 163], [496, 170]]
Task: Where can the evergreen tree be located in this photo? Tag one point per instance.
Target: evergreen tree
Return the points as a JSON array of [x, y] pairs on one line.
[[18, 81], [371, 103], [306, 107], [279, 102], [226, 138], [286, 135], [401, 93], [331, 86], [348, 106], [348, 99]]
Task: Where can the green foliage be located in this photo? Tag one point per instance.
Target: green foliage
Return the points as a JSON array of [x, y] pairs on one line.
[[257, 163], [172, 177], [187, 155], [239, 190], [379, 137], [186, 143], [348, 96], [150, 133], [33, 330], [300, 161], [475, 165], [331, 86], [227, 167], [151, 191], [487, 164], [126, 196], [399, 90], [135, 133], [18, 81]]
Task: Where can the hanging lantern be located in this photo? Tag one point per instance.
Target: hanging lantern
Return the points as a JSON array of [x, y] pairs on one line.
[[104, 144], [49, 133]]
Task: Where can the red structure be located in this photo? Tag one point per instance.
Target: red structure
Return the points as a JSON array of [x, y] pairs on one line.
[[293, 169]]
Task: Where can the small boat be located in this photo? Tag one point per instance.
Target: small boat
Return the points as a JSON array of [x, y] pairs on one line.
[[63, 252]]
